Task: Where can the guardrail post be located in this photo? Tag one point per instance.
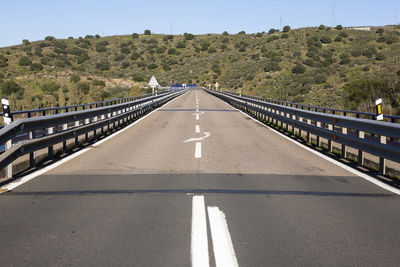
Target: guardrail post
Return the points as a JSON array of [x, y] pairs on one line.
[[318, 138], [50, 148], [360, 152], [32, 155], [86, 134], [330, 147], [344, 148], [64, 128], [102, 128], [382, 161], [76, 137], [94, 131], [308, 133]]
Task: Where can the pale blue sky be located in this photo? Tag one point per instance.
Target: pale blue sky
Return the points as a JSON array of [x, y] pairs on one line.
[[35, 19]]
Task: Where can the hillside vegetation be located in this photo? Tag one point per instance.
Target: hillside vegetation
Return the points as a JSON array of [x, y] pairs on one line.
[[333, 67]]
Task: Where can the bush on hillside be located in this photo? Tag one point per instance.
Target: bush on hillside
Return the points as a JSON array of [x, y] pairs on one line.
[[286, 28], [272, 66], [180, 44], [49, 86], [147, 32], [321, 27], [271, 31], [84, 87], [137, 78], [36, 67], [298, 69], [343, 34], [3, 61], [339, 27], [188, 36], [135, 35], [152, 66], [325, 40], [380, 30], [75, 78], [103, 65], [49, 38], [172, 51], [24, 61], [9, 87]]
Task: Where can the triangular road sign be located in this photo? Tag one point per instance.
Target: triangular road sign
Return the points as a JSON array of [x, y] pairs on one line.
[[153, 82]]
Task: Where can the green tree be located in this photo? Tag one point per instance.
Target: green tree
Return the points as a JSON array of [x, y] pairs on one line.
[[83, 87], [137, 78], [271, 31], [339, 27], [286, 28], [135, 35], [380, 30], [3, 61], [242, 32], [298, 69], [152, 66], [10, 87], [321, 27], [25, 42], [147, 32], [188, 36], [180, 45], [24, 61]]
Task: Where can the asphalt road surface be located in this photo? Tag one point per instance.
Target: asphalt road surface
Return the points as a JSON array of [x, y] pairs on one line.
[[199, 183]]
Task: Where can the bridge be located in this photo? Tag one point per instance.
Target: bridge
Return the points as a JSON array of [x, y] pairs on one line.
[[199, 178]]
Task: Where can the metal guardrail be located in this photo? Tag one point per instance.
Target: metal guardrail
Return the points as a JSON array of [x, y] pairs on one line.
[[375, 137], [46, 131], [55, 110], [344, 112]]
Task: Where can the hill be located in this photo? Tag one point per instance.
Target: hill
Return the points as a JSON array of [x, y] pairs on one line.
[[333, 67]]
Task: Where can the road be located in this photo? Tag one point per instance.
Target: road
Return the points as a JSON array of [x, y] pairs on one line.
[[198, 182]]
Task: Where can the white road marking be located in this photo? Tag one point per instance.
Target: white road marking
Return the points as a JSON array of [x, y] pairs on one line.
[[222, 242], [199, 245], [197, 150], [337, 163], [197, 128], [22, 180], [197, 117], [196, 139]]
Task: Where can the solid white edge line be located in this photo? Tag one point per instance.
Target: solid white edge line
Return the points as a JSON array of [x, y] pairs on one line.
[[197, 151], [27, 178], [221, 239], [197, 128], [199, 239], [344, 166]]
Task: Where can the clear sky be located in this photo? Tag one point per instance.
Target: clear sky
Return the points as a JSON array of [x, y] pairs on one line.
[[36, 19]]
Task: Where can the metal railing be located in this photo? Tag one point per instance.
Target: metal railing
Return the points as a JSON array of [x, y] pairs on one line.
[[367, 136], [46, 131], [344, 112]]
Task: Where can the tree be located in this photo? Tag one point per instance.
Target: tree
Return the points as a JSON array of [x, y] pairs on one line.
[[135, 36], [3, 61], [180, 45], [225, 33], [24, 61], [147, 32], [380, 30], [75, 78], [286, 28], [97, 36], [172, 51], [36, 67], [339, 27], [152, 66], [84, 87], [188, 36], [242, 32], [25, 42], [321, 27], [49, 38], [325, 40], [298, 69], [10, 87], [271, 31]]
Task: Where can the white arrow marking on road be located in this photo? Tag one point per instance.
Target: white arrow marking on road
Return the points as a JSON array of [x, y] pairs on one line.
[[197, 139], [197, 128]]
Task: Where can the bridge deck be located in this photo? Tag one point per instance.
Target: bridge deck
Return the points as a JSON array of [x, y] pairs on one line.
[[128, 201]]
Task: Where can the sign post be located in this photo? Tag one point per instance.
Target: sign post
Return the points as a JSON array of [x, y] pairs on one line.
[[153, 84], [216, 86], [378, 107], [7, 120]]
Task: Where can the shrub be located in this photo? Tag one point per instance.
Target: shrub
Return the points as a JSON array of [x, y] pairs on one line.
[[3, 61], [339, 27], [84, 87], [125, 50], [284, 36], [24, 61], [137, 78], [225, 33], [101, 48], [356, 52], [49, 86], [212, 50], [369, 52], [286, 28], [380, 30], [135, 36], [103, 65], [242, 32], [75, 78], [321, 27], [338, 39], [321, 78], [188, 36], [147, 32], [180, 45], [89, 36], [172, 51], [343, 34], [10, 87], [141, 65], [272, 66], [271, 31], [325, 40], [25, 42], [49, 38], [97, 36], [259, 34], [298, 69], [104, 95], [380, 56], [36, 67], [119, 57], [135, 56], [125, 65], [152, 66], [98, 83]]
